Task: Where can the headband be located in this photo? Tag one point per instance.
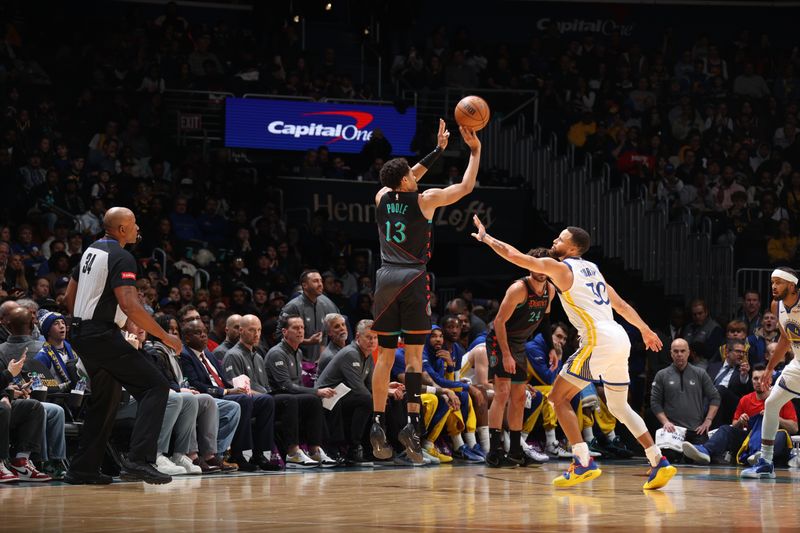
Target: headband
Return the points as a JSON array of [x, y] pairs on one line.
[[777, 273]]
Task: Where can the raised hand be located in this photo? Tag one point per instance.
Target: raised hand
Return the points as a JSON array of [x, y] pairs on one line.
[[470, 139], [481, 230], [443, 136]]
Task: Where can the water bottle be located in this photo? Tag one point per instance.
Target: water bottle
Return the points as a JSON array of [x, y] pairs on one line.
[[80, 386], [36, 382]]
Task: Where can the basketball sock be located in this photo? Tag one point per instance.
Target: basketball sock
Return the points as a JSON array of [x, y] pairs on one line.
[[379, 418], [515, 446], [550, 437], [428, 445], [588, 434], [413, 419], [469, 439], [581, 451], [458, 442], [611, 435], [654, 455], [483, 437], [766, 452], [496, 439]]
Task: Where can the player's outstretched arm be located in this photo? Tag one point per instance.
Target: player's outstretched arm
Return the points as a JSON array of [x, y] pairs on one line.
[[555, 270], [651, 340], [426, 162], [433, 198]]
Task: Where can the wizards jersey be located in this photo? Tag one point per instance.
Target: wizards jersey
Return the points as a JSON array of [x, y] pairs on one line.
[[404, 232], [526, 316]]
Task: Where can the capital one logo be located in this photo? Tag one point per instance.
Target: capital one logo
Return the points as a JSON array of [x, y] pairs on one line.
[[336, 128]]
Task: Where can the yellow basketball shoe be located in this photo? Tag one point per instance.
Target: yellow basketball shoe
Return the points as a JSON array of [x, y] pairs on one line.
[[577, 474], [660, 475], [443, 457]]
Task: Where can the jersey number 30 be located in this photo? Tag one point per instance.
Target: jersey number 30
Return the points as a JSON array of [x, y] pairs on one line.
[[599, 290], [399, 232]]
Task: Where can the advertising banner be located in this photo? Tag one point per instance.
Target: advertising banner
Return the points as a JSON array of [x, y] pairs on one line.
[[301, 125], [351, 207]]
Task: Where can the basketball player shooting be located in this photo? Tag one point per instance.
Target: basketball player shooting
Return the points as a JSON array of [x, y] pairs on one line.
[[402, 306], [604, 348]]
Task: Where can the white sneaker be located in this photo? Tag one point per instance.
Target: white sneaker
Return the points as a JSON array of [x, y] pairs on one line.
[[300, 460], [322, 458], [556, 450], [165, 466], [534, 454], [182, 461]]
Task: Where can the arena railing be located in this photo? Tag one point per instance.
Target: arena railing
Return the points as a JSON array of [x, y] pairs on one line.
[[759, 279], [622, 223]]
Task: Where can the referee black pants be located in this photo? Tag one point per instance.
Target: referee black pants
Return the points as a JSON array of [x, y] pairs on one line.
[[112, 363]]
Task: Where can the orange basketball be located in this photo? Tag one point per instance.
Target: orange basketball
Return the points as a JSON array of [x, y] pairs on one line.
[[472, 112]]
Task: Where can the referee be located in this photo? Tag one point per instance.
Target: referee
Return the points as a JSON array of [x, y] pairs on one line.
[[100, 296]]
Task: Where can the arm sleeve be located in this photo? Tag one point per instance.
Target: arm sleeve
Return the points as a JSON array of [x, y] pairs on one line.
[[76, 272], [657, 395], [122, 270], [279, 377], [709, 390]]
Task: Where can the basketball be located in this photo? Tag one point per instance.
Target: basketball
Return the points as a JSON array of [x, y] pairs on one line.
[[472, 112]]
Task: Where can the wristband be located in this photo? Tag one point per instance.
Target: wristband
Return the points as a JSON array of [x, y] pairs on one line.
[[431, 158], [430, 390]]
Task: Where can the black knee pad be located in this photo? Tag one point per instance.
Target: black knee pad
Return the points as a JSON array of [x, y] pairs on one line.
[[413, 387], [387, 341], [415, 338]]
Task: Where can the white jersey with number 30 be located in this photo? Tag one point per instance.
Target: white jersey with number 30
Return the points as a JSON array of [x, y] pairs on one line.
[[586, 302]]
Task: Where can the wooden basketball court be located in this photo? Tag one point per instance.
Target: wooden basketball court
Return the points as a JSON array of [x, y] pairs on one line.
[[443, 498]]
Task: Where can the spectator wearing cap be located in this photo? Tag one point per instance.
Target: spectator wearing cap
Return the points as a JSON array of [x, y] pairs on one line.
[[22, 342], [233, 326], [312, 306], [56, 354]]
